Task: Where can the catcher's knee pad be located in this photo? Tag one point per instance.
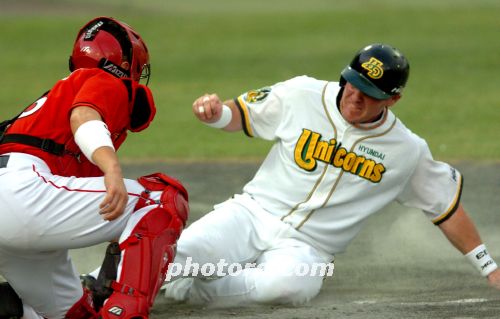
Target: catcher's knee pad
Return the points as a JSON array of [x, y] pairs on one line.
[[11, 305], [83, 308], [149, 249]]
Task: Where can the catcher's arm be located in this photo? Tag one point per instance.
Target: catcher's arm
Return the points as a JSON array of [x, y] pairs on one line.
[[113, 205]]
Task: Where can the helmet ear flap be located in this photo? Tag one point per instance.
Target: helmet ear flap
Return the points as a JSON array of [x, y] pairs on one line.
[[113, 69], [342, 81], [143, 108], [71, 65]]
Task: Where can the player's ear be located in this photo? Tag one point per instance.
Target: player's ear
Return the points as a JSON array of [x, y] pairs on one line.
[[392, 100]]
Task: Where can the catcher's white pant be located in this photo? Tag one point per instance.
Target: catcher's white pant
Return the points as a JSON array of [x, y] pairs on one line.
[[237, 233], [42, 216]]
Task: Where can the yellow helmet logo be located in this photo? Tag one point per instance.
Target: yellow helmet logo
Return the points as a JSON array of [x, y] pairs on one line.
[[374, 68]]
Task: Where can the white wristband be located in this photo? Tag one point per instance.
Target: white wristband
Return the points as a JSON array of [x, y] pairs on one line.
[[91, 135], [224, 119], [482, 260]]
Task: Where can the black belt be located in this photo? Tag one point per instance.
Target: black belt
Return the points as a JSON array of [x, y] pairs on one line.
[[4, 159]]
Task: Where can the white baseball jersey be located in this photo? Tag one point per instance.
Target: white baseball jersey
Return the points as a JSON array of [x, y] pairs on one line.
[[324, 176]]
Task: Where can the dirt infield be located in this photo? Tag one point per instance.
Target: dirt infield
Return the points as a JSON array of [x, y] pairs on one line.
[[400, 266]]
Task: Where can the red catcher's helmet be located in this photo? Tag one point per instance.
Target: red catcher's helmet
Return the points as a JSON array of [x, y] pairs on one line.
[[106, 43]]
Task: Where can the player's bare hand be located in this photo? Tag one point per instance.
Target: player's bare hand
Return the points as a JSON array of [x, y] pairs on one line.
[[116, 198], [207, 108], [494, 279]]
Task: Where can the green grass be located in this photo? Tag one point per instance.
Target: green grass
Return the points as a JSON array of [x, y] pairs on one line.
[[230, 46]]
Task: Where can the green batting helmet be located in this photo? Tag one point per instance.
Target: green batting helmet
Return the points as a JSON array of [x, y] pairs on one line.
[[378, 70]]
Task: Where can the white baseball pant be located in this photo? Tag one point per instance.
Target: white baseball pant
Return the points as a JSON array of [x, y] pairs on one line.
[[239, 232], [42, 216]]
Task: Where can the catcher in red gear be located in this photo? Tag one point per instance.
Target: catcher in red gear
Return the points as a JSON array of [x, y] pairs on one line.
[[61, 186]]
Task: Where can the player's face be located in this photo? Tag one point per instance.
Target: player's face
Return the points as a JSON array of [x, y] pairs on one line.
[[357, 107]]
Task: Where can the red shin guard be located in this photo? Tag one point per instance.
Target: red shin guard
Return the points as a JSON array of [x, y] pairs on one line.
[[148, 251], [83, 308]]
